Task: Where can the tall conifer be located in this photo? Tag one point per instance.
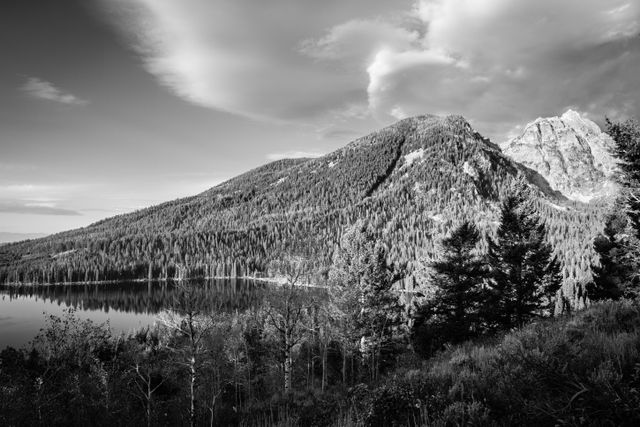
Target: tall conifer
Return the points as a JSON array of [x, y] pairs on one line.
[[525, 275], [453, 314]]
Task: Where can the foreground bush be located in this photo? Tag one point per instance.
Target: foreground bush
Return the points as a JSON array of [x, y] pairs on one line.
[[577, 370]]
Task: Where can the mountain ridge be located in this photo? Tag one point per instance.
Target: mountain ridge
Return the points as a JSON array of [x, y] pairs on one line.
[[571, 153], [412, 181]]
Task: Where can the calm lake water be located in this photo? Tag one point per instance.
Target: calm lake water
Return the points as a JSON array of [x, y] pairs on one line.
[[126, 306]]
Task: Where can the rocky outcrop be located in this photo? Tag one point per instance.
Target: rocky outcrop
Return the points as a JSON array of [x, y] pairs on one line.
[[571, 153]]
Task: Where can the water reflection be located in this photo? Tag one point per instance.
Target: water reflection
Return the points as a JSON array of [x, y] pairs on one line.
[[125, 305]]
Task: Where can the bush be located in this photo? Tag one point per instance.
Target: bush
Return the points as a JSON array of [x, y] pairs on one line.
[[577, 370]]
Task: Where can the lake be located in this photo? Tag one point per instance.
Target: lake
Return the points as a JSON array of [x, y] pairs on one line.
[[126, 306]]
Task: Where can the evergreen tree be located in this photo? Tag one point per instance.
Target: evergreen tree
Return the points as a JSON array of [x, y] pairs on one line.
[[361, 281], [626, 136], [618, 247], [616, 275], [525, 274], [453, 314]]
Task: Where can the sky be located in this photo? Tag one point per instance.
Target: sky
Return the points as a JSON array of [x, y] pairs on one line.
[[108, 106]]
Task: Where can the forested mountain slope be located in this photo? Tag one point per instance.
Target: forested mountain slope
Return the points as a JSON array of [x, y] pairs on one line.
[[412, 181]]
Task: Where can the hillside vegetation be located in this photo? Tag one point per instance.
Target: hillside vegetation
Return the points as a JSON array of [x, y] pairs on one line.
[[413, 182], [582, 369]]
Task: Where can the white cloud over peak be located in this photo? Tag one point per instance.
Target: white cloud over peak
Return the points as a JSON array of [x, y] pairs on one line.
[[42, 89], [497, 62], [356, 41]]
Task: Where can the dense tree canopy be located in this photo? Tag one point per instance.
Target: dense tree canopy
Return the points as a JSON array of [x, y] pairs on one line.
[[454, 312], [618, 246], [525, 274]]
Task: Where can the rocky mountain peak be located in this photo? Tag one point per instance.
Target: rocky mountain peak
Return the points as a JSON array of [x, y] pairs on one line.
[[571, 153]]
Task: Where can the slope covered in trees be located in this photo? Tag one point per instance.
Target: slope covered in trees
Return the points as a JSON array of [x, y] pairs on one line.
[[413, 182]]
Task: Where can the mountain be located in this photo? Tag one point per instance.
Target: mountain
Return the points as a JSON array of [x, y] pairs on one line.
[[412, 181], [571, 153]]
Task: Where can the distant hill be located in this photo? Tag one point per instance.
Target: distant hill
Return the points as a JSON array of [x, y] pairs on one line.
[[16, 237], [412, 181]]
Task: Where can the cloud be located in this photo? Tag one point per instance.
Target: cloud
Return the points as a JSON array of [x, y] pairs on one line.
[[355, 41], [42, 89], [239, 57], [498, 62], [26, 207], [38, 199], [293, 155]]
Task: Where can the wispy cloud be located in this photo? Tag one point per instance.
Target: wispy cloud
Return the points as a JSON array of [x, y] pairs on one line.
[[42, 89], [239, 57], [38, 199], [293, 155], [26, 207]]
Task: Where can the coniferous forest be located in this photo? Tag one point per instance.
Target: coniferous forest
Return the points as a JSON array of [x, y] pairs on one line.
[[491, 335], [413, 182]]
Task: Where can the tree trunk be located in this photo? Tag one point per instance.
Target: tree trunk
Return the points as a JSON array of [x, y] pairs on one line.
[[352, 369], [344, 365], [213, 410], [287, 362], [148, 400], [324, 365], [192, 407], [287, 372], [235, 382], [310, 368], [249, 392]]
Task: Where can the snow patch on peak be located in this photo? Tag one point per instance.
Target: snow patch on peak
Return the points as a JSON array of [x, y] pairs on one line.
[[437, 217], [417, 187], [413, 156], [558, 207], [571, 115], [470, 170], [278, 182]]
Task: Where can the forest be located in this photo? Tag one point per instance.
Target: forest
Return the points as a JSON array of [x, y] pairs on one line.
[[414, 182], [483, 347]]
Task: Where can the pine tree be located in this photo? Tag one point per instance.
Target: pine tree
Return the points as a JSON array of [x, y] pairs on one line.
[[525, 274], [454, 313], [616, 275], [618, 247], [361, 282], [626, 136]]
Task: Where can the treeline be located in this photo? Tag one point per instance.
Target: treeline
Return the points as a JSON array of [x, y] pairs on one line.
[[414, 182]]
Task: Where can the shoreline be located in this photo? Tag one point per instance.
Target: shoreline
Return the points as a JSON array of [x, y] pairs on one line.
[[278, 281], [281, 281]]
